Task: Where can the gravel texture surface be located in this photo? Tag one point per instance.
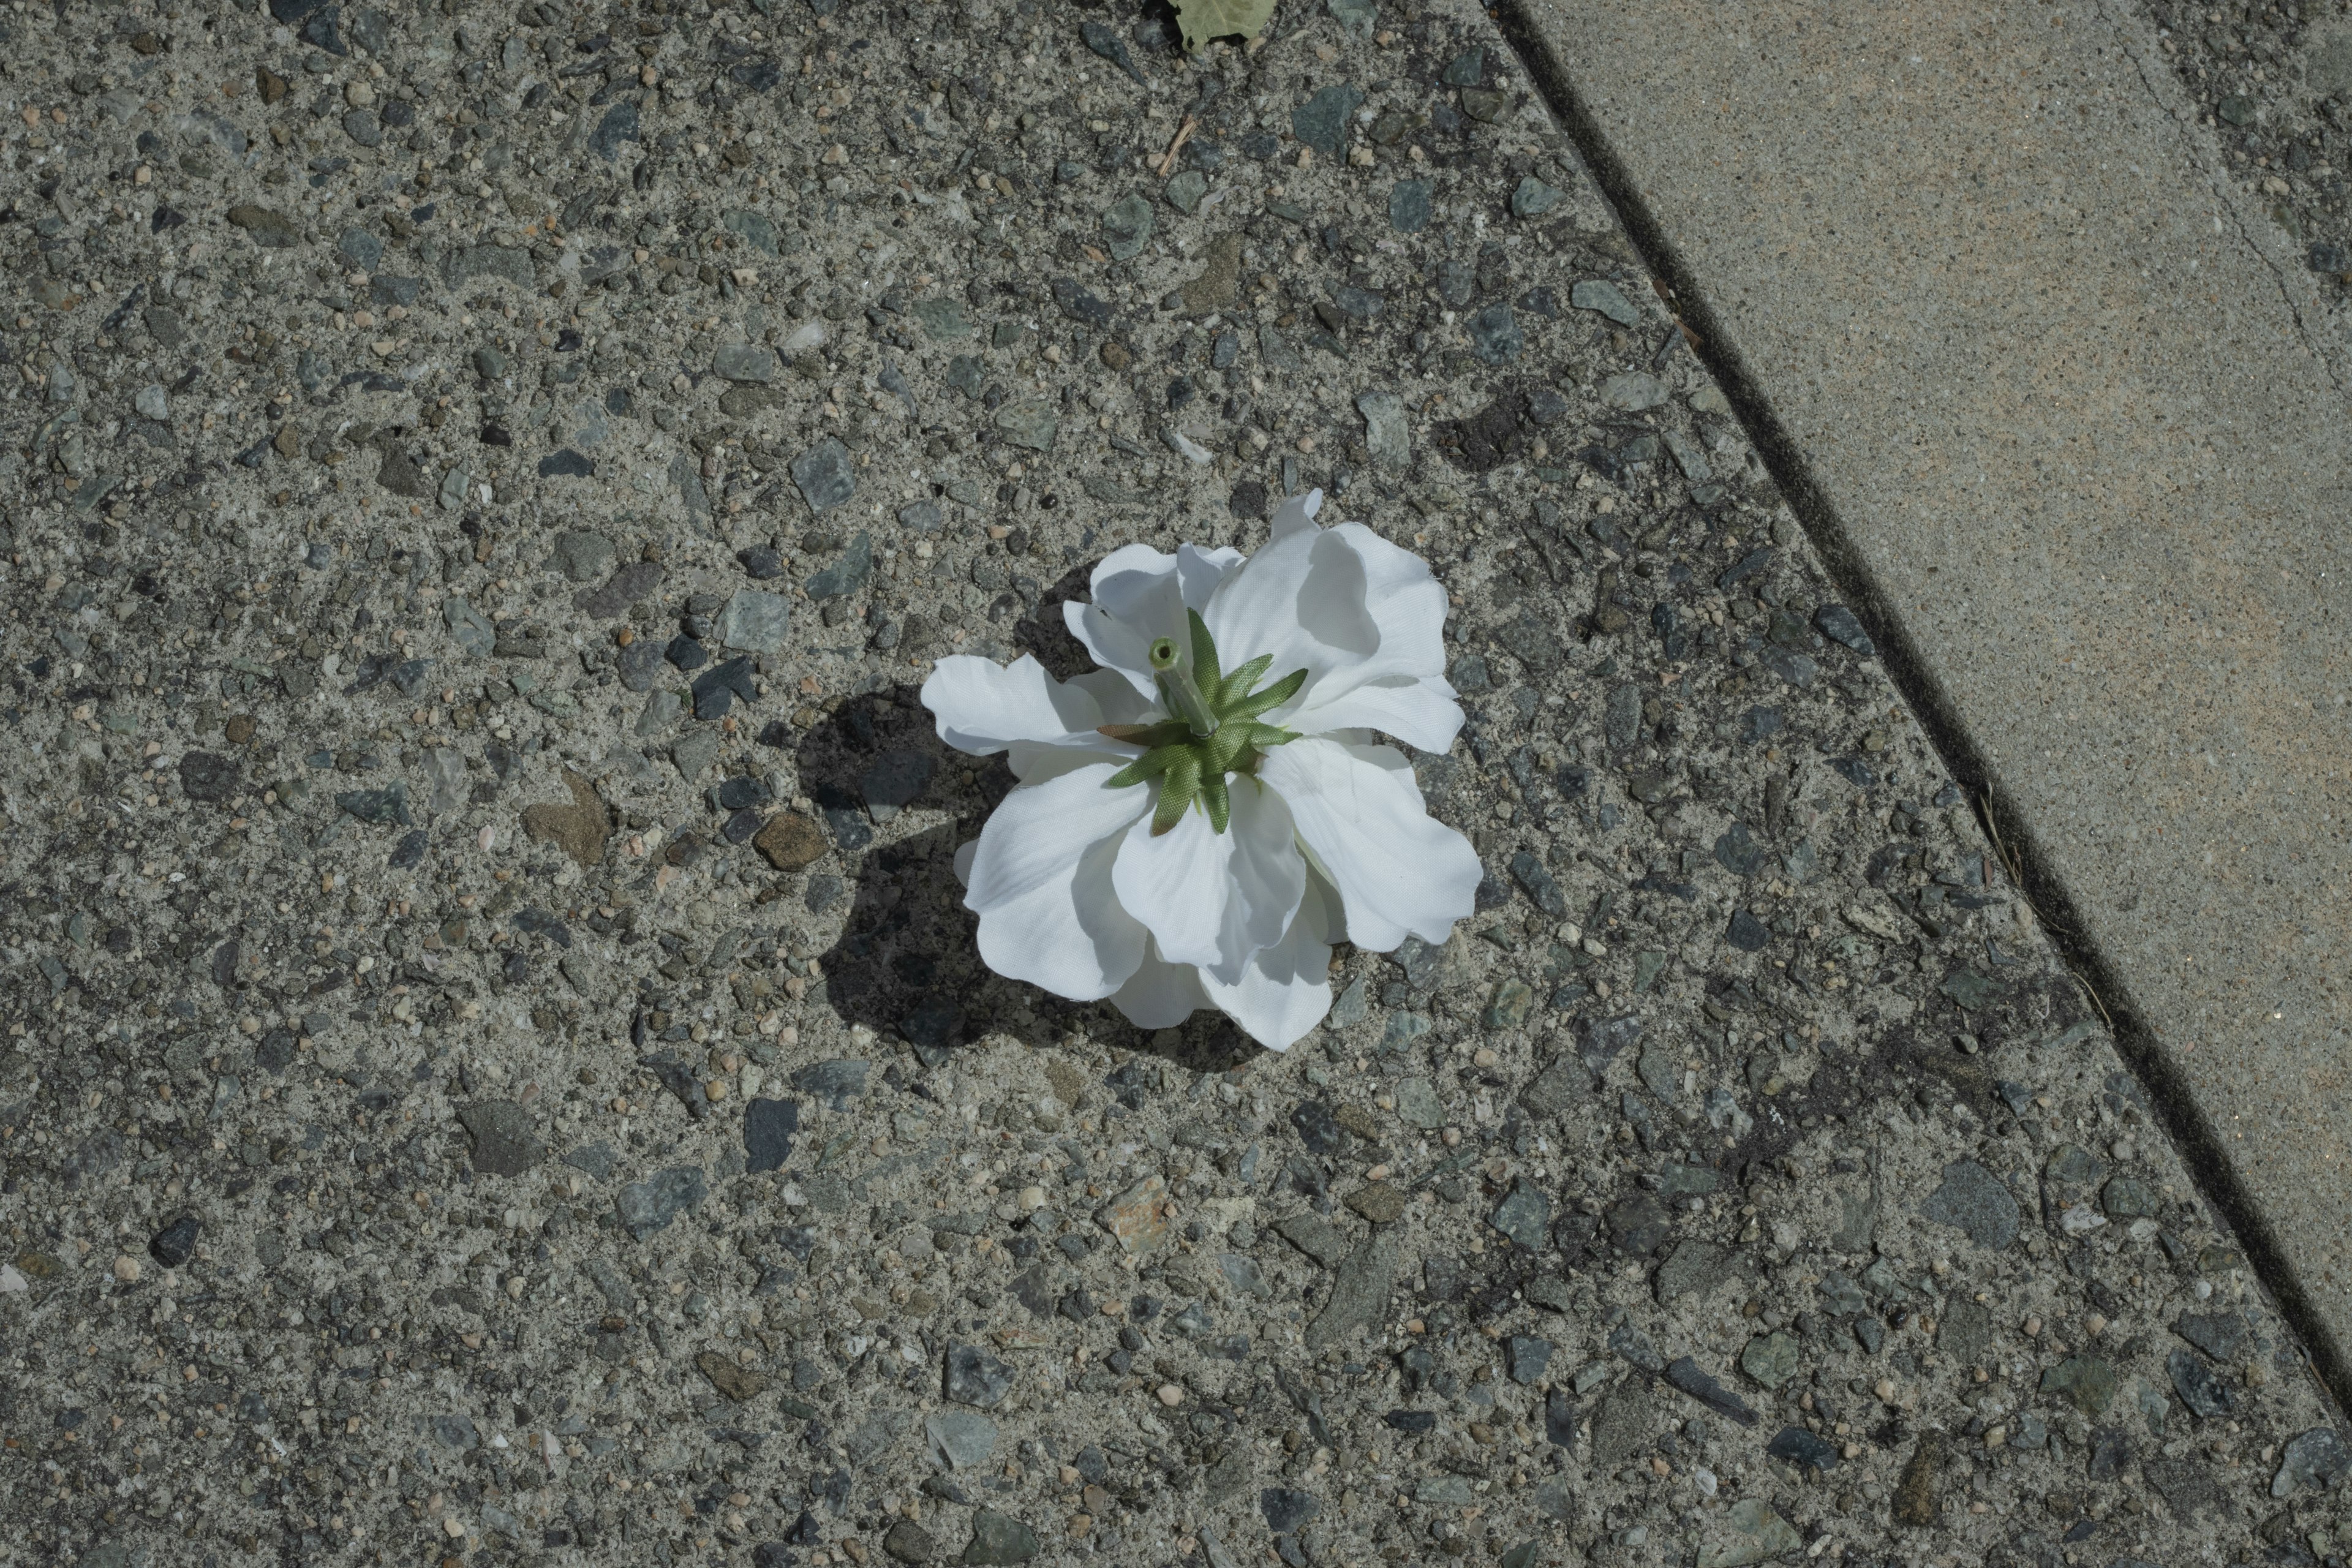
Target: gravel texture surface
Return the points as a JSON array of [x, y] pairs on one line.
[[495, 1067], [2274, 84]]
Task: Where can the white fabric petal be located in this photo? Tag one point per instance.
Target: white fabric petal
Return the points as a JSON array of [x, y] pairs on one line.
[[1041, 883], [1213, 899], [1268, 874], [1300, 600], [1391, 590], [1138, 598], [1201, 571], [1286, 989], [1176, 884], [1421, 713], [1159, 995], [963, 858], [983, 707], [1297, 513], [1398, 871]]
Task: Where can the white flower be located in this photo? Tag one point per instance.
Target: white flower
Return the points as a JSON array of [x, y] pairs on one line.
[[1199, 818]]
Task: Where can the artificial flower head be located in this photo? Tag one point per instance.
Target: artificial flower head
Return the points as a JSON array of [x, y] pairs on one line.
[[1201, 818]]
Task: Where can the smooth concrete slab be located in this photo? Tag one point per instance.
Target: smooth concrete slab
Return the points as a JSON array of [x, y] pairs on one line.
[[2071, 401]]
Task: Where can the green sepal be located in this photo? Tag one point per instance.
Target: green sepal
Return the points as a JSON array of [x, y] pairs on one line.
[[1204, 658], [1151, 764], [1239, 682], [1273, 697], [1168, 731], [1219, 802], [1177, 788]]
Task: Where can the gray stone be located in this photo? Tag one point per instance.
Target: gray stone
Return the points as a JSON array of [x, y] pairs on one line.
[[1184, 191], [1408, 208], [505, 1143], [1553, 1091], [751, 362], [1313, 1235], [976, 1378], [694, 753], [849, 575], [753, 620], [582, 556], [1127, 225], [1386, 433], [1749, 1532], [998, 1538], [1771, 1359], [1359, 1291], [1418, 1105], [824, 475], [151, 402], [959, 1438], [1321, 123], [942, 318], [1286, 1508], [1533, 198], [2224, 1336], [2318, 1458], [2207, 1396], [1973, 1200], [768, 1126], [1528, 1357], [1524, 1214], [1633, 391], [1495, 335], [361, 250], [649, 1206], [626, 586], [1240, 1271], [1030, 423], [756, 230], [2085, 1382], [468, 628]]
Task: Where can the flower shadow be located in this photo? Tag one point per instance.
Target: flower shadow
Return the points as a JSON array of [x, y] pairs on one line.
[[906, 964]]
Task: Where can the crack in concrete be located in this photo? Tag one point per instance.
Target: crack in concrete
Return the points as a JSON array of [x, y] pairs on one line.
[[2197, 152]]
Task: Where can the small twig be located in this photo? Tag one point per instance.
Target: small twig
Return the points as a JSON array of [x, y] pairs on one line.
[[1184, 134]]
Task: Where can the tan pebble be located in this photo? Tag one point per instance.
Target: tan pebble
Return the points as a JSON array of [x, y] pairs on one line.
[[1171, 1396], [126, 1268]]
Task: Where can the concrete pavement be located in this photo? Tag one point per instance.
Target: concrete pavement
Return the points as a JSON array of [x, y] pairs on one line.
[[2065, 405]]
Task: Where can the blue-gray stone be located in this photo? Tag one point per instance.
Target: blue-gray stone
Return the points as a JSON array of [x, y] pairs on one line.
[[619, 125], [754, 230], [1185, 191], [824, 475], [1599, 294], [1533, 198], [753, 620], [1524, 1215], [1975, 1202], [752, 362], [1321, 123], [1408, 208], [360, 249], [1127, 225], [468, 626], [942, 318], [1495, 335], [849, 573], [649, 1206]]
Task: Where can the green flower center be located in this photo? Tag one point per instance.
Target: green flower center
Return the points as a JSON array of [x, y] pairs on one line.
[[1215, 734]]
